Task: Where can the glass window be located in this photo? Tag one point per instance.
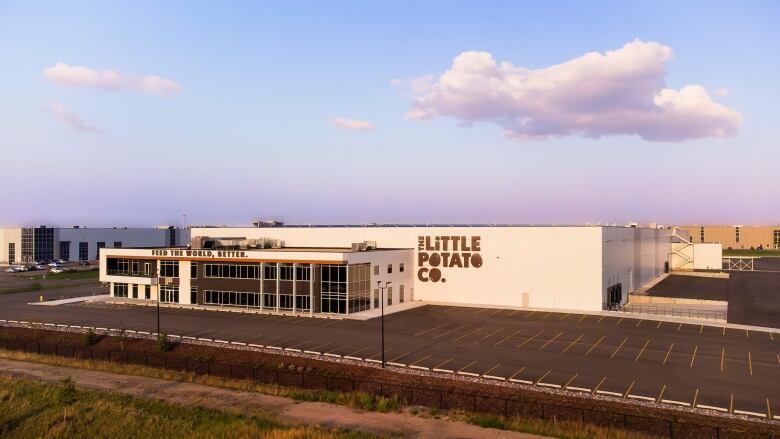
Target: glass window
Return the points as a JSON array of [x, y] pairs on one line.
[[135, 291], [147, 292], [169, 268], [194, 295], [133, 267], [83, 251], [269, 272], [401, 294], [389, 296], [193, 270], [376, 270], [401, 267], [117, 244], [147, 268], [120, 290], [286, 272], [65, 250], [100, 245], [389, 268], [11, 252], [334, 289], [303, 272]]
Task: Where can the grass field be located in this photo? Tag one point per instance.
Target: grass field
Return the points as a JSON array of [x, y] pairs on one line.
[[757, 253], [32, 409], [358, 400], [68, 275]]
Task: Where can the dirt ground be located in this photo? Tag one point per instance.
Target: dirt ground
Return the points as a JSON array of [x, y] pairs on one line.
[[287, 410]]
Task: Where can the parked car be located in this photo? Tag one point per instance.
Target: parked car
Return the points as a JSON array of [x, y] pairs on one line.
[[10, 270], [53, 264], [84, 263], [60, 261], [20, 268], [56, 270], [39, 267]]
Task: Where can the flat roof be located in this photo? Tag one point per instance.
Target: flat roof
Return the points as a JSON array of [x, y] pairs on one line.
[[376, 225], [281, 249]]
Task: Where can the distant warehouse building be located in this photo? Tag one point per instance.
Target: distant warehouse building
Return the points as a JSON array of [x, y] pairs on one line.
[[737, 237], [19, 245], [585, 268]]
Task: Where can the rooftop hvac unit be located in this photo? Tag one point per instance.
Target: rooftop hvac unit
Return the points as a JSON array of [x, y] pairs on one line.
[[370, 245]]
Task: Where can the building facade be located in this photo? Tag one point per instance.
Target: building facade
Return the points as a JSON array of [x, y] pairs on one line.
[[302, 280], [737, 236], [23, 245], [557, 267]]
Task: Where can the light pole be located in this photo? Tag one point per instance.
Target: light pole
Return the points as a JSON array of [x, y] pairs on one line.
[[156, 282], [382, 306]]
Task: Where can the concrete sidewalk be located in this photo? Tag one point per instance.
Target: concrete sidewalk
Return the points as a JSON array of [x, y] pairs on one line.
[[71, 300]]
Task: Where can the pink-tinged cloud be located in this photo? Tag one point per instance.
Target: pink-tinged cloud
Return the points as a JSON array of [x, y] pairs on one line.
[[620, 92], [72, 119], [108, 79], [352, 124]]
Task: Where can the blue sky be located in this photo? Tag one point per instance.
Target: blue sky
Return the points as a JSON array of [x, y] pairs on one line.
[[250, 132]]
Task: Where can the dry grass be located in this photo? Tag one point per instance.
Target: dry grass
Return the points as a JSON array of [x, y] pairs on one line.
[[359, 400], [32, 409]]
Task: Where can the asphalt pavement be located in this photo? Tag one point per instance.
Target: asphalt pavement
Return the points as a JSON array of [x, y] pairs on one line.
[[682, 362]]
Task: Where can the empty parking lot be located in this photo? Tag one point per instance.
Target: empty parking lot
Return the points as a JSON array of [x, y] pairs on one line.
[[689, 363]]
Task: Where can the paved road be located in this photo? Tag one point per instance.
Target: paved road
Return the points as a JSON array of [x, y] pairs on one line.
[[753, 296], [643, 357]]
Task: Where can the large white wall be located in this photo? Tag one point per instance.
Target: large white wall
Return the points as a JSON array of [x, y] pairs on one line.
[[556, 267], [633, 256], [8, 235]]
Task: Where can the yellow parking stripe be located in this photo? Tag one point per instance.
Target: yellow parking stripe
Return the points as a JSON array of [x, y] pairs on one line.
[[750, 364], [628, 390], [695, 398], [564, 316], [722, 357], [546, 315], [661, 394], [518, 372], [572, 344], [639, 322], [532, 337], [585, 315], [602, 318], [464, 367], [618, 348], [693, 357], [596, 389], [659, 325], [643, 349], [550, 341], [442, 364], [570, 381], [598, 342], [468, 333], [491, 369], [667, 353], [543, 376], [619, 321], [508, 337], [420, 360], [432, 329]]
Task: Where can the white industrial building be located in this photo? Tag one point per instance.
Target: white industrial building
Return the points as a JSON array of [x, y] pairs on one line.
[[20, 245], [584, 268]]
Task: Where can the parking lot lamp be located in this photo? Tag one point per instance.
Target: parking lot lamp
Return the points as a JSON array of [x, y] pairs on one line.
[[156, 282], [382, 306]]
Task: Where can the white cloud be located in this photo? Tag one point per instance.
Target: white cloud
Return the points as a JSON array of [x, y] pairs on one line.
[[71, 118], [108, 79], [618, 92], [722, 91], [352, 124]]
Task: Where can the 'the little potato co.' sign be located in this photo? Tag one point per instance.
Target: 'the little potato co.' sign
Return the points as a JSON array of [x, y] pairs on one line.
[[436, 252]]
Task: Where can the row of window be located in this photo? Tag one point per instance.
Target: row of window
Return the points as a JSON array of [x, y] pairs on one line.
[[255, 300], [389, 269]]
